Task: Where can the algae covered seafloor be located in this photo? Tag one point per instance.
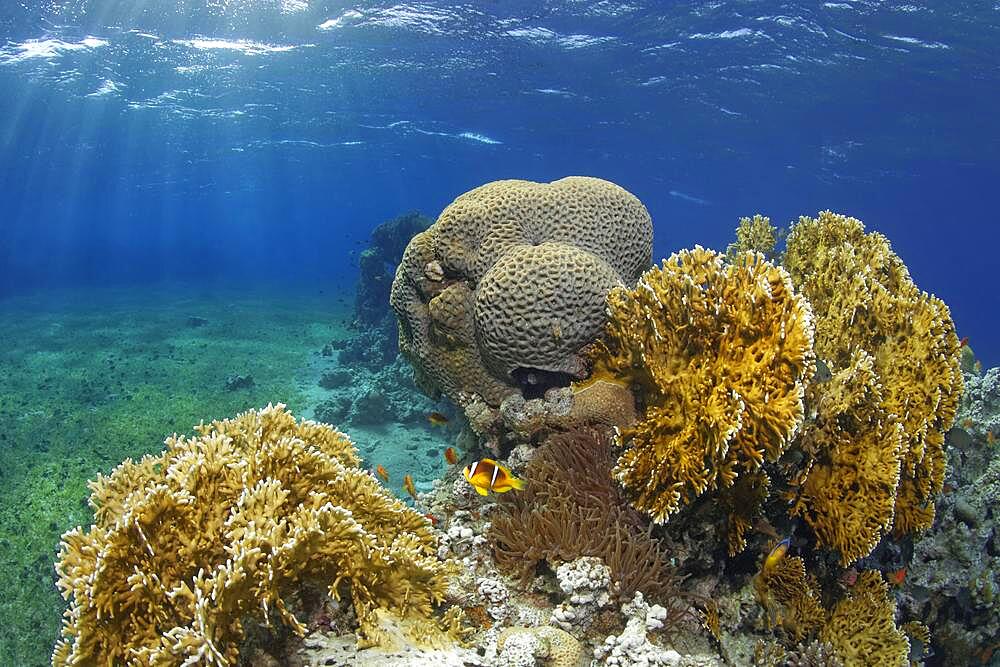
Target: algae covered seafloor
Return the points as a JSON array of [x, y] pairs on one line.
[[88, 378]]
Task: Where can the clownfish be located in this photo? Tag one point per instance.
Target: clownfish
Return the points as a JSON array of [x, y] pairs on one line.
[[777, 553], [487, 475]]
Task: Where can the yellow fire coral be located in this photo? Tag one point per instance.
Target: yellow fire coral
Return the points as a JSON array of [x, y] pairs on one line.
[[847, 487], [790, 598], [755, 234], [861, 627], [866, 304], [226, 525], [720, 352]]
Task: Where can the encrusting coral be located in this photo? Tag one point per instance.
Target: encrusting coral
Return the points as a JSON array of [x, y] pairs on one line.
[[228, 525], [872, 318], [720, 353], [508, 285]]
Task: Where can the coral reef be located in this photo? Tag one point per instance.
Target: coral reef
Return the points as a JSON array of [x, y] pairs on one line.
[[358, 396], [231, 524], [953, 580], [506, 288], [377, 267], [632, 646], [866, 304], [979, 413], [790, 597], [720, 354]]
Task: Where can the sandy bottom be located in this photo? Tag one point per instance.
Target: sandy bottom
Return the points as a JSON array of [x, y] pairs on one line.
[[88, 378]]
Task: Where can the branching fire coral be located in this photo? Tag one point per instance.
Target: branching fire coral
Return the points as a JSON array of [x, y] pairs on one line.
[[846, 487], [866, 304], [226, 525], [860, 628], [721, 352]]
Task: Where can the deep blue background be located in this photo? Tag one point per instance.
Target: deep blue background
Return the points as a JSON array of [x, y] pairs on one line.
[[240, 141]]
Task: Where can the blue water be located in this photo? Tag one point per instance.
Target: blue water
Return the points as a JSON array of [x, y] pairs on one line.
[[244, 141]]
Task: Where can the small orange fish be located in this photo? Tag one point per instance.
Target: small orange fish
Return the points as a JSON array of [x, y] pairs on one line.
[[437, 419], [487, 475], [978, 367], [408, 485], [897, 577], [990, 438], [382, 472], [962, 343], [433, 519], [451, 456], [777, 553], [967, 423]]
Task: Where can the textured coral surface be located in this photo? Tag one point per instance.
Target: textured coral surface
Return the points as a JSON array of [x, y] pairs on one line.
[[866, 304], [230, 524], [720, 353], [512, 278]]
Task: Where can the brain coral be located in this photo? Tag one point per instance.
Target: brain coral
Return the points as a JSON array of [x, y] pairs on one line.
[[866, 302], [228, 525], [509, 283], [720, 352]]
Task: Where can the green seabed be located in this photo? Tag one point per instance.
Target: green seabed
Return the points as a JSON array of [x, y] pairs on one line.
[[88, 378]]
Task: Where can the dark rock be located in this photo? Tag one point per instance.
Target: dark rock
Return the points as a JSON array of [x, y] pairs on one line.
[[370, 408], [335, 379], [334, 411], [966, 513], [234, 382], [377, 267]]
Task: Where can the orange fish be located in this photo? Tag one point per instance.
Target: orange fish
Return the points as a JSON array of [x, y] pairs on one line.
[[487, 475], [898, 577], [978, 367], [990, 438], [962, 343], [432, 519], [451, 456], [437, 419], [408, 485], [382, 472], [967, 423]]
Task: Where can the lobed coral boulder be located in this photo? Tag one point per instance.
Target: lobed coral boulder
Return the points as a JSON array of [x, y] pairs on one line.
[[228, 525], [507, 287], [720, 354]]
